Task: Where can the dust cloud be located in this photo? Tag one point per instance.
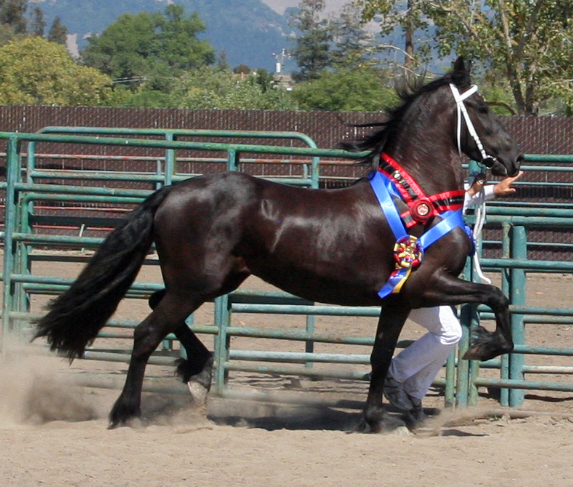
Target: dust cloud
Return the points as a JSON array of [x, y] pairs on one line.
[[36, 391]]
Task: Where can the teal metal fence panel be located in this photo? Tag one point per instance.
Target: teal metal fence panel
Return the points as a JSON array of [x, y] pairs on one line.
[[29, 186]]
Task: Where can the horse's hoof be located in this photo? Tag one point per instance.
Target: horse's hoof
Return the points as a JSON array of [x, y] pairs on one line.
[[198, 393], [114, 424], [485, 345], [480, 352], [365, 427], [473, 353], [485, 351], [122, 415], [188, 372]]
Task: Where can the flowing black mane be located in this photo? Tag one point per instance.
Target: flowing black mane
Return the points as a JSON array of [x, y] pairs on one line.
[[408, 92]]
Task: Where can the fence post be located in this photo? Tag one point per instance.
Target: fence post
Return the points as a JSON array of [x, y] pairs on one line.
[[169, 160], [462, 378], [232, 159], [222, 318], [12, 175], [506, 289], [517, 298]]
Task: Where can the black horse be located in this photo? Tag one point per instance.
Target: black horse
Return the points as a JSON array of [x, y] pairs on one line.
[[331, 246]]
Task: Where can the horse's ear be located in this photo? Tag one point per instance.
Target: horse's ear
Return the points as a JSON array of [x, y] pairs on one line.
[[461, 73]]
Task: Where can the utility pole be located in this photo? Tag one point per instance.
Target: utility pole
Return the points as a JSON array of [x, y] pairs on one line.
[[280, 60]]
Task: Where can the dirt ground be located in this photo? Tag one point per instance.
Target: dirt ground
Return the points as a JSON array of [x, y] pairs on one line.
[[53, 431]]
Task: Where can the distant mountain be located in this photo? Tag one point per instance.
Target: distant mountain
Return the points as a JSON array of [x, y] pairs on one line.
[[281, 5], [249, 31]]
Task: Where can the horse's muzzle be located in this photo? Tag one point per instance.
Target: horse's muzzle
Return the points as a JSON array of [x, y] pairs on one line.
[[505, 168]]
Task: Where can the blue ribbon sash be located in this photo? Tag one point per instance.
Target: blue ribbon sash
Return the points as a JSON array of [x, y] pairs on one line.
[[408, 250]]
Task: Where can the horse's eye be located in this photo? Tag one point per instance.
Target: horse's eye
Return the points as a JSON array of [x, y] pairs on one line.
[[483, 109]]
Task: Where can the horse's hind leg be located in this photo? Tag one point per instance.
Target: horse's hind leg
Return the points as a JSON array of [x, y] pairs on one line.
[[390, 325], [198, 365], [168, 316], [164, 319], [199, 360], [197, 369]]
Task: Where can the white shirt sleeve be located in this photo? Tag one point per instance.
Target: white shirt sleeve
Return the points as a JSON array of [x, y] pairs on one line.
[[476, 199]]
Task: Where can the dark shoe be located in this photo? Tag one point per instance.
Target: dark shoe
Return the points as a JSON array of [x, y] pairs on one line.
[[416, 417], [397, 396]]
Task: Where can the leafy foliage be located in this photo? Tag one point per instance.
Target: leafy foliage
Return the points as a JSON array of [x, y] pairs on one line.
[[526, 44], [149, 47], [408, 16], [38, 22], [313, 44], [353, 46], [12, 12], [207, 88], [329, 43], [529, 43], [58, 32], [346, 90], [249, 31], [35, 71]]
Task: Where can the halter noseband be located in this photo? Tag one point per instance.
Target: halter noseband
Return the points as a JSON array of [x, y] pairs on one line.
[[486, 160]]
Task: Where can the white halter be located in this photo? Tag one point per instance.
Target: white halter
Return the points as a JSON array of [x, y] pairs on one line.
[[480, 206], [462, 110]]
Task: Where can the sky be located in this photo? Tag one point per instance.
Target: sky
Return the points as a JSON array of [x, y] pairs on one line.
[[281, 5]]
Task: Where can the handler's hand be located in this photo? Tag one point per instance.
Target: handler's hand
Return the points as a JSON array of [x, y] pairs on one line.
[[505, 185]]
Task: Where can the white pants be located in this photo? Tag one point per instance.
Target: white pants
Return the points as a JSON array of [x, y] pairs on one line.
[[417, 365]]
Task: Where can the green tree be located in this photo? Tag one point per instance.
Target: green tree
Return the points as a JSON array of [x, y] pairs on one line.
[[362, 89], [38, 22], [222, 61], [528, 43], [34, 71], [408, 16], [353, 45], [58, 32], [313, 43], [123, 50], [12, 12], [7, 34], [212, 88], [178, 45], [149, 48], [242, 69]]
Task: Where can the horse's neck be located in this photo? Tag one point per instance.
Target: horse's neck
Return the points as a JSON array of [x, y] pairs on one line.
[[436, 169]]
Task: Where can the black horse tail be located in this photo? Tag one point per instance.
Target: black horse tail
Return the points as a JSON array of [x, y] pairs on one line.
[[75, 317]]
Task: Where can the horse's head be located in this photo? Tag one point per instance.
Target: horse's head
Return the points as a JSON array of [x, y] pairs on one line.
[[479, 134], [436, 120]]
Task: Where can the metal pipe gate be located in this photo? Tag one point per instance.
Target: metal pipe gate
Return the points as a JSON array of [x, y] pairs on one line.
[[25, 188]]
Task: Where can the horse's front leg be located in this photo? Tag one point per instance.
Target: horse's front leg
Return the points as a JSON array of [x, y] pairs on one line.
[[392, 319], [484, 345]]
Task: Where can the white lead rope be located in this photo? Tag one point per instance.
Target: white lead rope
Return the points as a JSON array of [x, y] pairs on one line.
[[480, 214]]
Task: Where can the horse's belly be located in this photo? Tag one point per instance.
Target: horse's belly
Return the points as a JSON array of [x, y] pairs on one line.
[[343, 288]]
